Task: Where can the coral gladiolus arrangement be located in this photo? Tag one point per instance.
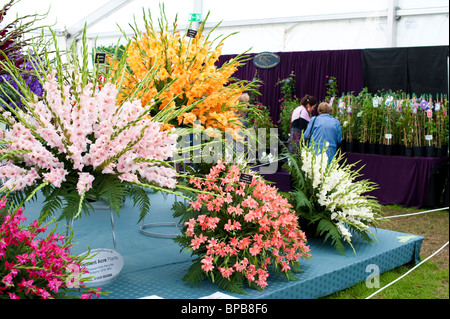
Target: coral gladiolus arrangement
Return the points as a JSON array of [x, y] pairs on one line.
[[241, 232], [36, 266]]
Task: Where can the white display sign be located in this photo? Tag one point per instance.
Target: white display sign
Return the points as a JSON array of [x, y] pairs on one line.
[[104, 265]]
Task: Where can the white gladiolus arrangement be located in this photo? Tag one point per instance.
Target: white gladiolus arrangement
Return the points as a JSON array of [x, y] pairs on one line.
[[331, 196]]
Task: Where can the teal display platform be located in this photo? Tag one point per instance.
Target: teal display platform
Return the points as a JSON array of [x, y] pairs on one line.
[[155, 266]]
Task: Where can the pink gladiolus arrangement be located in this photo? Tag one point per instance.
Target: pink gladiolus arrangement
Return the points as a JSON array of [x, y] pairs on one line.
[[37, 266], [79, 143], [241, 232]]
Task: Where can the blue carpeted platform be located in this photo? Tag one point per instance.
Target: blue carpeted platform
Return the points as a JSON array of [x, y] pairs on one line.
[[155, 266]]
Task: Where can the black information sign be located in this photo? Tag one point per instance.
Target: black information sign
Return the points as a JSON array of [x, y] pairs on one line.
[[100, 58], [266, 60], [246, 178], [191, 33]]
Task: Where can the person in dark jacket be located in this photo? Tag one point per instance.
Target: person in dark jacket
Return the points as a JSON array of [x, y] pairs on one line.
[[300, 118]]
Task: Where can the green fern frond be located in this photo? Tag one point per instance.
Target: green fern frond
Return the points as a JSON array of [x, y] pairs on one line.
[[183, 241], [195, 274], [365, 234], [300, 201], [234, 286], [328, 228], [70, 209], [182, 211], [113, 191], [18, 199], [52, 204], [290, 275], [141, 200]]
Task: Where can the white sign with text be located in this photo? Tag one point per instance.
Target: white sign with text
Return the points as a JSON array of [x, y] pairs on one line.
[[104, 265]]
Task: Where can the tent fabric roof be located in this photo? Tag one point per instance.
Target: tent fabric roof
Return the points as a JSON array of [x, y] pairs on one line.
[[263, 25]]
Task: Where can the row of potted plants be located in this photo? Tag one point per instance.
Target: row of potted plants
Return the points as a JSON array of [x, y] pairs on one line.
[[393, 123], [387, 123]]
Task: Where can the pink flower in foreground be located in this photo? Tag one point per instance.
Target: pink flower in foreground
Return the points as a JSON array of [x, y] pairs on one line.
[[84, 182], [34, 266], [89, 130]]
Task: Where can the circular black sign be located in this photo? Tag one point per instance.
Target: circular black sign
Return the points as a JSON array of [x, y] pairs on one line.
[[266, 60]]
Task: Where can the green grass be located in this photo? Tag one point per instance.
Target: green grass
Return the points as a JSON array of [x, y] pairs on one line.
[[427, 281]]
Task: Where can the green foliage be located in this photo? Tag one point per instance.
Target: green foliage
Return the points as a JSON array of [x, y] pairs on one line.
[[141, 200], [288, 103], [327, 229], [195, 274], [234, 286], [115, 52], [12, 40], [332, 90], [287, 108], [405, 118], [109, 189]]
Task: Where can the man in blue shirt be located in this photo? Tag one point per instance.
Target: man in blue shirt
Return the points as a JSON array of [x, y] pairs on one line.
[[325, 128]]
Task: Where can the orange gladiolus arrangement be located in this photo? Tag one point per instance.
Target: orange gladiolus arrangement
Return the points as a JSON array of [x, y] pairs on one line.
[[189, 65]]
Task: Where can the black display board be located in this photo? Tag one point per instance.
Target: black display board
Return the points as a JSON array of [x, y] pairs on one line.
[[419, 70]]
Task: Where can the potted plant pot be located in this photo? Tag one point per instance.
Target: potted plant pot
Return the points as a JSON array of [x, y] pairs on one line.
[[409, 151], [361, 147], [418, 151], [429, 151], [397, 149], [388, 150], [442, 151], [380, 149], [371, 148], [349, 146]]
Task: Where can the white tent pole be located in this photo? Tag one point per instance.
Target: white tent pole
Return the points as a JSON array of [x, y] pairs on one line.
[[198, 8], [392, 23]]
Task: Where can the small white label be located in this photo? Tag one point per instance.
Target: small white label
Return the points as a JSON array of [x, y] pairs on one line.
[[428, 137], [388, 136], [349, 109], [104, 265], [331, 101]]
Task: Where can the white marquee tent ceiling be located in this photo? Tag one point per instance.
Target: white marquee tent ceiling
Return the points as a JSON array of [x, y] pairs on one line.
[[262, 25]]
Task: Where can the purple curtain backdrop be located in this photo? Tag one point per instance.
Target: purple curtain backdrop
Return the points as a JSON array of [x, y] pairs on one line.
[[401, 180], [407, 181], [310, 68]]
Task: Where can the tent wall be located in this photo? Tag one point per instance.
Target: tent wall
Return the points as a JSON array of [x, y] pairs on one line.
[[338, 32], [264, 25]]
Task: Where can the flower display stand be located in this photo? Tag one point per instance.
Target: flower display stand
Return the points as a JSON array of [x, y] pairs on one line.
[[155, 266], [172, 225], [104, 264]]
